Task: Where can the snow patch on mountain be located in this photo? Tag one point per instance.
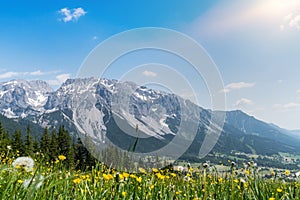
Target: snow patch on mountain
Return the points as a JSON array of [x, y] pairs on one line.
[[9, 113]]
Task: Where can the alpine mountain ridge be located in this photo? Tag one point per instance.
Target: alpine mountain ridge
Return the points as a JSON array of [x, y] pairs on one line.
[[111, 104]]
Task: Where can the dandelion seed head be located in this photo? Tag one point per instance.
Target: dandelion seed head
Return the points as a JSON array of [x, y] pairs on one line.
[[25, 163]]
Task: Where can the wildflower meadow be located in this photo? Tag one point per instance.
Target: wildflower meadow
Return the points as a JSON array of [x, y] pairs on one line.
[[28, 178]]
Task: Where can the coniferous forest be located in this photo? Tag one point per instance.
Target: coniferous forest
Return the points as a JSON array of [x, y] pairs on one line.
[[52, 143]]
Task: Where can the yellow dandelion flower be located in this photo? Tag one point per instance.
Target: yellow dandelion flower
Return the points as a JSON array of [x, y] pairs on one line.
[[154, 170], [62, 157], [279, 190], [287, 172], [121, 177], [178, 192], [152, 186], [160, 176], [142, 170], [20, 181], [247, 172], [133, 176], [123, 193], [236, 180], [173, 174], [82, 176], [220, 180], [139, 179], [271, 198], [107, 177], [126, 175], [77, 180]]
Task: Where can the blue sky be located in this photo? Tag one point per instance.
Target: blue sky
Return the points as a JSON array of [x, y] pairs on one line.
[[255, 45]]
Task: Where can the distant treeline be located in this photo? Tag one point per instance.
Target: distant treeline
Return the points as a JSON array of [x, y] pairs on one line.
[[51, 144]]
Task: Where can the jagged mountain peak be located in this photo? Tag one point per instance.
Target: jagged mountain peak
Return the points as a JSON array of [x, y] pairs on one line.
[[19, 98], [32, 84]]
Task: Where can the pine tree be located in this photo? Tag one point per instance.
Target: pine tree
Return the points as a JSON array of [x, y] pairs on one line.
[[71, 157], [92, 150], [63, 141], [28, 143], [5, 141], [45, 142], [35, 146], [18, 143], [81, 154], [54, 148]]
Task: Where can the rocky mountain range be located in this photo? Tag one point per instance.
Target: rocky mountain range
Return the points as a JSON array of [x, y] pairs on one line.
[[110, 110]]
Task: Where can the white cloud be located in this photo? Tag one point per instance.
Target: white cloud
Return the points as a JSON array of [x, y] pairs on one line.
[[9, 75], [36, 73], [292, 21], [72, 15], [295, 22], [13, 74], [243, 102], [78, 12], [59, 79], [286, 107], [237, 86], [149, 73]]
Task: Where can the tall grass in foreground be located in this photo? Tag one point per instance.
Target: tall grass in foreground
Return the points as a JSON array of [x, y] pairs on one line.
[[55, 181]]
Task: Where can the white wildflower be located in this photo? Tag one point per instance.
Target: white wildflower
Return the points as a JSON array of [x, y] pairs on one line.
[[25, 163], [205, 165], [179, 168], [233, 164], [186, 178]]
